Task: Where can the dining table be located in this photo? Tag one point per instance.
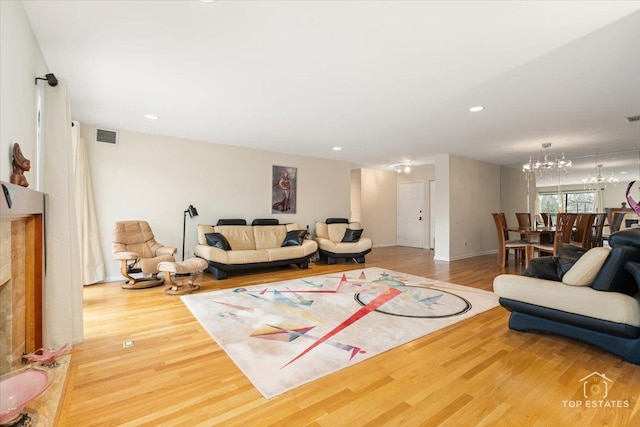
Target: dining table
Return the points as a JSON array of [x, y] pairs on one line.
[[534, 235]]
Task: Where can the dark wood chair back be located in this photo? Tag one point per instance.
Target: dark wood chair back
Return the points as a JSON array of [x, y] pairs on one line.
[[582, 235], [598, 226], [546, 217], [524, 220], [564, 230], [617, 222]]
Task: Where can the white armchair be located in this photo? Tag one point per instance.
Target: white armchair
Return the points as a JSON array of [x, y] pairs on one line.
[[338, 238]]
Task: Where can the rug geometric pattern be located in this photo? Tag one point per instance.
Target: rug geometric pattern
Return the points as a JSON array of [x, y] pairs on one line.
[[285, 334]]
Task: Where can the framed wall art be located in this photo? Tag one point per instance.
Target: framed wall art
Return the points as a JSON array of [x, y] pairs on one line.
[[284, 189]]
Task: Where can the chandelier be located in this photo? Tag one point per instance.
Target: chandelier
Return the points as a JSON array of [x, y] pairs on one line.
[[549, 164], [598, 181]]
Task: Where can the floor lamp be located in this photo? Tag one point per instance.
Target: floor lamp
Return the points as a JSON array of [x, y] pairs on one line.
[[192, 212]]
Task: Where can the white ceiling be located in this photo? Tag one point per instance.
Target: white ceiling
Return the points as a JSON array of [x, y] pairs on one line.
[[388, 81]]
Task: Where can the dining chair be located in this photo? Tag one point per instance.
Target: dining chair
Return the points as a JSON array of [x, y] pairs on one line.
[[524, 221], [562, 234], [540, 220], [598, 227], [504, 244], [615, 225], [582, 235], [548, 221]]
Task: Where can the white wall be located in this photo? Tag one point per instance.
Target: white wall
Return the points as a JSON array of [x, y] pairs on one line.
[[378, 201], [471, 193], [356, 195], [155, 178], [513, 194], [21, 61]]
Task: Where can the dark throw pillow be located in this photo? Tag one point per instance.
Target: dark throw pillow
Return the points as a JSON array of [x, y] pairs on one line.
[[294, 238], [351, 235], [545, 267], [555, 267], [217, 240]]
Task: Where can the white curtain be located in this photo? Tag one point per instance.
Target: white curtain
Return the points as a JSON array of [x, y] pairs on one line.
[[63, 291], [92, 267], [599, 202]]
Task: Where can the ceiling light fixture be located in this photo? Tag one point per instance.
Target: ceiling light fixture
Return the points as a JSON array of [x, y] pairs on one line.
[[476, 109], [550, 163], [151, 116], [406, 168], [598, 180], [337, 148]]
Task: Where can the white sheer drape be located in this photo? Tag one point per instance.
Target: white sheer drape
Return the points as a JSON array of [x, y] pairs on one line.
[[599, 202], [63, 292], [92, 267]]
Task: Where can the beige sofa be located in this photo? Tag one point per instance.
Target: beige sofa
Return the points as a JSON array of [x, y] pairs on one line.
[[330, 235], [597, 300], [252, 246]]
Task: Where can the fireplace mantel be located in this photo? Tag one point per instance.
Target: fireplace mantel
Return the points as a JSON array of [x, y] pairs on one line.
[[22, 213]]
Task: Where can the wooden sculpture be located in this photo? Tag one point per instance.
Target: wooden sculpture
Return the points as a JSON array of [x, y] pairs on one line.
[[20, 165]]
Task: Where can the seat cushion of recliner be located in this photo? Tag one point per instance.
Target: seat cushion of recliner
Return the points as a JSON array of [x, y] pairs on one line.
[[585, 301]]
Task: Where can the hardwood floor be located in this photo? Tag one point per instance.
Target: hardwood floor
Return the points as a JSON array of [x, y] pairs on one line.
[[476, 372]]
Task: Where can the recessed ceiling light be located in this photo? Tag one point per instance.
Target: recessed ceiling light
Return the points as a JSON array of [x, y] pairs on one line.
[[476, 109], [337, 148], [151, 116]]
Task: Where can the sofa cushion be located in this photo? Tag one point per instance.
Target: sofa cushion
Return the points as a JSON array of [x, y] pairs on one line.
[[294, 238], [269, 236], [336, 231], [217, 240], [582, 300], [584, 270], [240, 237], [351, 235]]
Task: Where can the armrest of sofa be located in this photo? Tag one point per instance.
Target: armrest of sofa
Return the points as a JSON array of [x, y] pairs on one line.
[[211, 253], [612, 277]]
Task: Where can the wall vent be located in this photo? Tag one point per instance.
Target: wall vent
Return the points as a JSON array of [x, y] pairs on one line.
[[632, 119], [107, 136]]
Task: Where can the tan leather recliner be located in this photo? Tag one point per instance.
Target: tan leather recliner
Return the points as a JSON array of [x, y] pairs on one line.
[[138, 252]]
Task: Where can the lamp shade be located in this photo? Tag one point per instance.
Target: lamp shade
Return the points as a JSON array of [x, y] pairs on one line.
[[192, 211]]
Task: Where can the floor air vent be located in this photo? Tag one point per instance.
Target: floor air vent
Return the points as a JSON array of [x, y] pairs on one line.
[[632, 119], [107, 136]]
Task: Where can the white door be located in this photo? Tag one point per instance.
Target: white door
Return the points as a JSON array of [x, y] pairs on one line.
[[410, 219]]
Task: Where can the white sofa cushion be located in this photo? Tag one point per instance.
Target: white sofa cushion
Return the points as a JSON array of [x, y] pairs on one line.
[[240, 237], [584, 271], [269, 236], [583, 300]]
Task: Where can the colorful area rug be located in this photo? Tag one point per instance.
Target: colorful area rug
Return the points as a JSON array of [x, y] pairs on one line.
[[285, 334]]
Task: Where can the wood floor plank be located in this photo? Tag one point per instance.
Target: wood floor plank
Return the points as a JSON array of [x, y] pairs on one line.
[[476, 372]]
